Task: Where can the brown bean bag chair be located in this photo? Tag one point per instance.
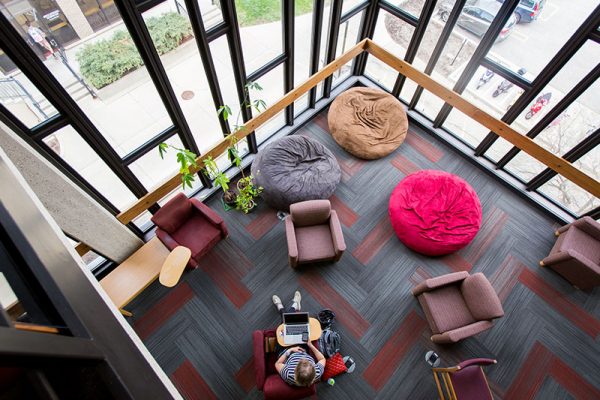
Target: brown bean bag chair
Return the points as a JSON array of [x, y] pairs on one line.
[[368, 123]]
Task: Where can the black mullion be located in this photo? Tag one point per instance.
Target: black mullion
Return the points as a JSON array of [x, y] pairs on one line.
[[289, 50], [332, 40], [216, 31], [595, 36], [149, 146], [49, 126], [594, 213], [439, 48], [42, 149], [543, 79], [558, 109], [268, 67], [506, 73], [28, 62], [399, 13], [415, 42], [367, 31], [132, 18], [352, 12], [486, 43], [315, 46], [581, 149], [239, 68]]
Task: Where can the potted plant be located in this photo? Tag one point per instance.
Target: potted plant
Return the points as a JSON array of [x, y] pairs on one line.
[[187, 159]]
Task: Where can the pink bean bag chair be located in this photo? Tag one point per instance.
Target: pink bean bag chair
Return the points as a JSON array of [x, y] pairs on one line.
[[434, 212]]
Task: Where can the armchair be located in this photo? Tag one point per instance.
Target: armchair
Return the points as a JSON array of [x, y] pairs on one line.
[[267, 378], [313, 233], [576, 253], [466, 381], [458, 305], [190, 223]]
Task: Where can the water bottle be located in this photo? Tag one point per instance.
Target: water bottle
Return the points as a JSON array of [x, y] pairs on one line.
[[331, 381]]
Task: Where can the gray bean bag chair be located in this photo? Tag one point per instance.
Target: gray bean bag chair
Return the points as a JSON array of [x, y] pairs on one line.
[[293, 169]]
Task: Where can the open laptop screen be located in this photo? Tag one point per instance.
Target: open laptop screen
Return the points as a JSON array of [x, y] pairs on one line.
[[295, 318]]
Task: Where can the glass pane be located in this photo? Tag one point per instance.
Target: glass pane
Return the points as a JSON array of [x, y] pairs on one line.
[[481, 92], [127, 110], [151, 170], [211, 12], [302, 41], [259, 20], [473, 22], [566, 79], [186, 73], [571, 196], [393, 34], [19, 96], [555, 22], [272, 84], [67, 143], [413, 7], [349, 33], [99, 14], [429, 105], [301, 105], [523, 166], [348, 5]]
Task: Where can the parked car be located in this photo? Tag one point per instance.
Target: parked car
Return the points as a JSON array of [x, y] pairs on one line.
[[477, 16], [528, 10]]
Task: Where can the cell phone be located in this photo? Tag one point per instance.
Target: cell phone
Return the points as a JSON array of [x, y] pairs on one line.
[[305, 337]]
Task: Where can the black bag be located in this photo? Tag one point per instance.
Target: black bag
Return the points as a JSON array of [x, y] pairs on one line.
[[329, 342], [326, 318]]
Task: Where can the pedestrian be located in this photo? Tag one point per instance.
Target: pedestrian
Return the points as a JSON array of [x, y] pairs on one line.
[[39, 37]]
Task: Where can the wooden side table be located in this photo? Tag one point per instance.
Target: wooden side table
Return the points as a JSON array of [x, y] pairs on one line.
[[313, 334], [174, 265]]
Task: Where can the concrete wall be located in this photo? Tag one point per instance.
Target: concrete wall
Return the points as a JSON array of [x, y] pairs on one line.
[[74, 210]]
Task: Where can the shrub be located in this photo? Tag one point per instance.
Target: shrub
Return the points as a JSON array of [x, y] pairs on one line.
[[106, 61]]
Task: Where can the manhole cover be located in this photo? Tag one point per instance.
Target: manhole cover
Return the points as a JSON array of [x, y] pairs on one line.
[[187, 95]]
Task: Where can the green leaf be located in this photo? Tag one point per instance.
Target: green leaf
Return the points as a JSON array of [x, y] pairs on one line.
[[162, 149], [226, 111]]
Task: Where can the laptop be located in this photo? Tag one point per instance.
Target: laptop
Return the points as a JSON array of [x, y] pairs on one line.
[[295, 325]]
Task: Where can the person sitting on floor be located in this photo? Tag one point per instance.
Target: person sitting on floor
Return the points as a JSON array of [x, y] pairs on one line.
[[295, 366]]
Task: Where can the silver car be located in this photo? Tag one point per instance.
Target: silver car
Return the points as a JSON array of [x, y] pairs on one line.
[[477, 15]]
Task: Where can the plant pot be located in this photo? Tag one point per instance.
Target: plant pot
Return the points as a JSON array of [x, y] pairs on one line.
[[229, 198], [253, 206], [241, 184]]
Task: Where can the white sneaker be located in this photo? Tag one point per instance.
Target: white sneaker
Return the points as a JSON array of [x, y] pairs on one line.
[[297, 300], [277, 302]]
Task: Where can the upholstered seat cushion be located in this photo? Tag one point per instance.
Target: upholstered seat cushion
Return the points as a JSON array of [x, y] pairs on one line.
[[367, 122], [276, 388], [577, 240], [434, 212], [445, 309], [196, 234], [470, 384], [481, 298], [314, 243], [294, 169]]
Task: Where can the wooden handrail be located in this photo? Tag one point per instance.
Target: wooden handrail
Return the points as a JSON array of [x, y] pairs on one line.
[[502, 129]]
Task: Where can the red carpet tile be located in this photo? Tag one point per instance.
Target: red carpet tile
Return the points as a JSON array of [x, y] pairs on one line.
[[405, 166], [393, 351], [321, 121], [163, 310], [419, 276], [572, 381], [263, 223], [328, 297], [456, 262], [346, 215], [245, 376], [227, 274], [190, 384], [557, 300], [541, 363], [531, 375], [428, 150], [374, 241]]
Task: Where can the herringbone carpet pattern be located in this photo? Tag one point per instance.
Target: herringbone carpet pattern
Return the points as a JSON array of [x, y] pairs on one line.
[[547, 345]]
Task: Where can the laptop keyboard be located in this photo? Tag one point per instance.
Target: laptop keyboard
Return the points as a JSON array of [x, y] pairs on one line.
[[295, 330]]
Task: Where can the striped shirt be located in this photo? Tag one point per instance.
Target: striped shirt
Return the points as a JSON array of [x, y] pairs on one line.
[[289, 367]]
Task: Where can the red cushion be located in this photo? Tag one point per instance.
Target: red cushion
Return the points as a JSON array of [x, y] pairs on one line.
[[173, 214], [276, 388], [435, 212], [334, 366]]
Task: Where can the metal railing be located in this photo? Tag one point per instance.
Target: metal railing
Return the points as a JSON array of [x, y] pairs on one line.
[[11, 90]]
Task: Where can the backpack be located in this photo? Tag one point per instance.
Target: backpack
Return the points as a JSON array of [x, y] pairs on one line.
[[329, 342]]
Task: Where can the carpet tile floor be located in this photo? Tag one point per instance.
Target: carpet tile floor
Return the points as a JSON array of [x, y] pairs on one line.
[[547, 345]]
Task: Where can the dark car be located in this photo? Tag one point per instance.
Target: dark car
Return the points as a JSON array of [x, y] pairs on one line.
[[528, 10], [477, 16]]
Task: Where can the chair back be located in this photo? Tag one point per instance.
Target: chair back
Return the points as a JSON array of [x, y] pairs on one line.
[[466, 381], [173, 214], [481, 298], [310, 212]]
